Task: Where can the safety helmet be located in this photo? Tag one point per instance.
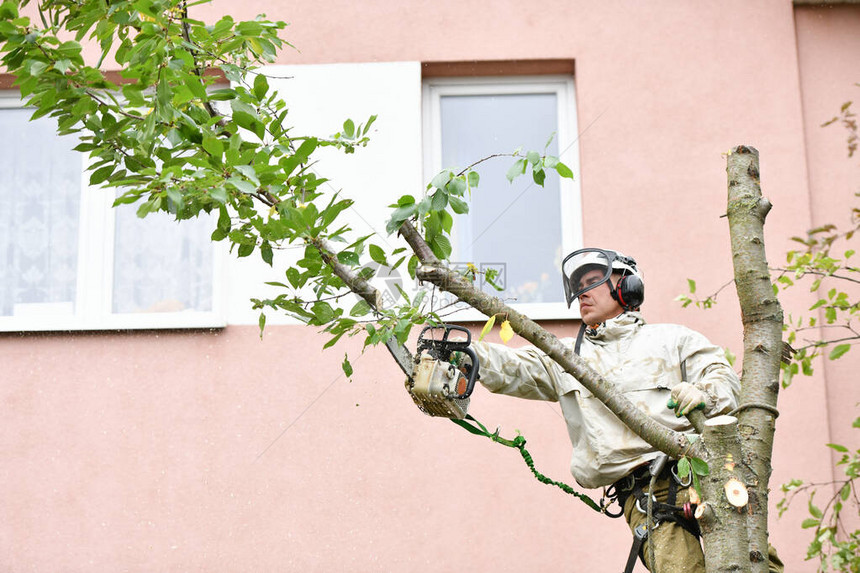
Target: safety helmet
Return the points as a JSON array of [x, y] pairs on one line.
[[630, 290]]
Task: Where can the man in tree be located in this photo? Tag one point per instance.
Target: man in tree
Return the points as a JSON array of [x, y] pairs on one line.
[[666, 370]]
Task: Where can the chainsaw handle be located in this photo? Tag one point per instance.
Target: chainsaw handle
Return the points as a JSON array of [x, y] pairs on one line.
[[473, 374], [459, 345]]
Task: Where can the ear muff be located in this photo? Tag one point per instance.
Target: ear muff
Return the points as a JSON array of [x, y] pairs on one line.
[[629, 292]]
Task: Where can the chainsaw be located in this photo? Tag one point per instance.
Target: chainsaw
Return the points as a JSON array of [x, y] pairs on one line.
[[442, 374]]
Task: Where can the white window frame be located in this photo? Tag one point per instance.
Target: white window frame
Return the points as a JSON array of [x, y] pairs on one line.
[[568, 144], [95, 267]]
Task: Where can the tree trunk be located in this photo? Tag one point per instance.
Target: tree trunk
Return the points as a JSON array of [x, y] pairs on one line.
[[762, 319]]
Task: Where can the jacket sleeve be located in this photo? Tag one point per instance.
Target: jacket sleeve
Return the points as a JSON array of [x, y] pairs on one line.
[[708, 370], [523, 372]]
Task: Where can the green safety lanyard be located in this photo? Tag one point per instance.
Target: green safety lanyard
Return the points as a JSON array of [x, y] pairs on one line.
[[520, 444]]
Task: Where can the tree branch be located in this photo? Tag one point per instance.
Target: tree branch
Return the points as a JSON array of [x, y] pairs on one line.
[[354, 282], [673, 443]]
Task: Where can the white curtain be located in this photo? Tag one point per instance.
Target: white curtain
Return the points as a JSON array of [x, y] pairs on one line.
[[161, 265], [40, 190]]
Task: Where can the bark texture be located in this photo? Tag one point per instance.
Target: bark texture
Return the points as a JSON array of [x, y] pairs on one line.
[[723, 518], [762, 319]]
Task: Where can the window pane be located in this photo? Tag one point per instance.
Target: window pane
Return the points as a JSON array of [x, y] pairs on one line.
[[40, 193], [517, 225], [161, 265]]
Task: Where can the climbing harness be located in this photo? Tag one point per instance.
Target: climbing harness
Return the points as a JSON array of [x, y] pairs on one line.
[[657, 513]]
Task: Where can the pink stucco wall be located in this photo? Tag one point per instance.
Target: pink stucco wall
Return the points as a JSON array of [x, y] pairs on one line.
[[829, 79], [216, 451]]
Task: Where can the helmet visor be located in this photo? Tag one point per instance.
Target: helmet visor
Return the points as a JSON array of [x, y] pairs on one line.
[[584, 270]]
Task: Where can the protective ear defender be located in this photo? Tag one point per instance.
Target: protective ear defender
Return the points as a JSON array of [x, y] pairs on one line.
[[629, 292]]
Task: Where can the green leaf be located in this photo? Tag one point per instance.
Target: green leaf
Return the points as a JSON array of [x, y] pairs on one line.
[[348, 258], [683, 468], [377, 254], [195, 86], [533, 157], [349, 129], [458, 205], [101, 174], [401, 330], [249, 122], [9, 10], [242, 185], [442, 179], [563, 170], [814, 510], [439, 200], [163, 94], [213, 146], [441, 246], [323, 311], [487, 327], [412, 265], [37, 68], [245, 250], [295, 277], [333, 340], [837, 447], [700, 467], [424, 206], [346, 366], [370, 121], [261, 86], [839, 351], [262, 323], [361, 308], [696, 485], [692, 284], [175, 196], [809, 523], [219, 194], [456, 186], [249, 172], [473, 178], [331, 212], [517, 169], [398, 216], [266, 252]]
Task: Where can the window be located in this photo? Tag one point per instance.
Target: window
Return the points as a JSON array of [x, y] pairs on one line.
[[69, 261], [521, 229]]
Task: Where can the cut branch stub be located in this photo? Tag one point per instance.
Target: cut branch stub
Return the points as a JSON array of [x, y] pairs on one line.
[[720, 520], [736, 492]]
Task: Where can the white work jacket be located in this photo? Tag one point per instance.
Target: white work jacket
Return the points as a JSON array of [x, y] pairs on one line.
[[642, 360]]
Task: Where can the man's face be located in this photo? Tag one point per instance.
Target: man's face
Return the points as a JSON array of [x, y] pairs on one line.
[[597, 305]]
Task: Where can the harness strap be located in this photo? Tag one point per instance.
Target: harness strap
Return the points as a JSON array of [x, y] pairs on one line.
[[579, 336], [640, 534]]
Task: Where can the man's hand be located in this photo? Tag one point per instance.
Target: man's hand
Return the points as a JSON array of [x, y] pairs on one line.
[[686, 398]]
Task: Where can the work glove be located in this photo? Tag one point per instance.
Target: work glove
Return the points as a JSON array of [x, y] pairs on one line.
[[686, 398]]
